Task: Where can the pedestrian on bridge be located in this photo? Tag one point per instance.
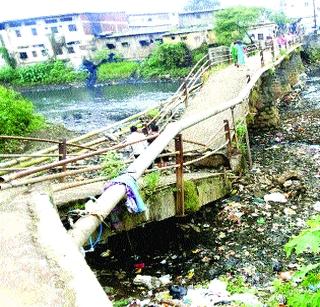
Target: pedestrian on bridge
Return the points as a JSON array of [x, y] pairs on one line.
[[241, 53], [140, 143]]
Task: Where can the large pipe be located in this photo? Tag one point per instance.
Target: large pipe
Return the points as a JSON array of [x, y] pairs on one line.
[[86, 225]]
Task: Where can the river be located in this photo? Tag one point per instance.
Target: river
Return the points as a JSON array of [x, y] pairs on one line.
[[210, 243], [81, 109]]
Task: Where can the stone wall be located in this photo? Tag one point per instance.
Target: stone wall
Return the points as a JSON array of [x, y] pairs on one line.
[[272, 86]]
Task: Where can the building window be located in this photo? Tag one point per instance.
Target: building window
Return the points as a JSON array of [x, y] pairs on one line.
[[149, 19], [18, 33], [66, 19], [72, 28], [34, 54], [260, 36], [125, 44], [50, 20], [184, 38], [144, 43], [30, 23], [34, 31], [23, 55], [306, 4], [173, 38], [54, 30], [198, 16], [111, 46], [44, 52], [159, 40], [70, 50]]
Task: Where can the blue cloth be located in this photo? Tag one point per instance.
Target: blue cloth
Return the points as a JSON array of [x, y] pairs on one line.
[[134, 201], [240, 53]]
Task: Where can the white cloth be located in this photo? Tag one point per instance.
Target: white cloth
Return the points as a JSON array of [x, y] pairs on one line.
[[137, 148]]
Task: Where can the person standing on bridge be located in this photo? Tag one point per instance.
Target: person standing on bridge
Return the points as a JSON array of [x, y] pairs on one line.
[[138, 137], [241, 53], [234, 55]]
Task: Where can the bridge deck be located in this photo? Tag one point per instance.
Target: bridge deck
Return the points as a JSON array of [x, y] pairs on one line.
[[28, 275]]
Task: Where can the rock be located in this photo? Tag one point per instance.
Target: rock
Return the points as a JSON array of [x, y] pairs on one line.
[[286, 276], [147, 281], [287, 176], [275, 197], [289, 211]]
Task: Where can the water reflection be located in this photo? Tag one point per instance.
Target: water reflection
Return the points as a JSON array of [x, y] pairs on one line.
[[83, 109]]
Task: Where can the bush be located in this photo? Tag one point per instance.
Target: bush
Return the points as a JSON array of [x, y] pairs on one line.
[[117, 70], [51, 72], [17, 116], [174, 60], [7, 74], [199, 53]]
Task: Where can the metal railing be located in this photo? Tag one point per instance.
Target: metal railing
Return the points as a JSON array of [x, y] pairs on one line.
[[94, 144]]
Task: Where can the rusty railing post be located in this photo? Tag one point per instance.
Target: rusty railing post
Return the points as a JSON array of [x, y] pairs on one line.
[[63, 154], [234, 126], [273, 51], [179, 176], [228, 137], [261, 55], [186, 93]]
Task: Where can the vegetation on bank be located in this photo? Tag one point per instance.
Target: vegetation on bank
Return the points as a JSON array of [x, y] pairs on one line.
[[166, 61], [50, 72], [17, 117]]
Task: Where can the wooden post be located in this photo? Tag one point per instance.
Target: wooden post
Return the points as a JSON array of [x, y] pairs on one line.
[[248, 148], [228, 137], [63, 154], [234, 126], [179, 176], [186, 93]]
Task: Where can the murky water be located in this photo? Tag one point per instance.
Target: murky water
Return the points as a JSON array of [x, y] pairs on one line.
[[240, 235], [82, 109]]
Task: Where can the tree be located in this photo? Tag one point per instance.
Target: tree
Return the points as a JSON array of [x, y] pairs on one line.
[[234, 23], [198, 5], [279, 18]]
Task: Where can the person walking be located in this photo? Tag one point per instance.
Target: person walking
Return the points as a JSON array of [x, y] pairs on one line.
[[234, 55]]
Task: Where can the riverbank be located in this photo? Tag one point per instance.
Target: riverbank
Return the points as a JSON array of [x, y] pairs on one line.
[[241, 238]]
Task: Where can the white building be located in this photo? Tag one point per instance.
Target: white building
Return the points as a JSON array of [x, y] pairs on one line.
[[308, 10]]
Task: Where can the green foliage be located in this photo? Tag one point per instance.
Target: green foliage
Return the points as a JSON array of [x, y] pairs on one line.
[[103, 54], [117, 70], [236, 284], [307, 241], [121, 303], [50, 72], [153, 113], [17, 117], [10, 61], [191, 199], [112, 165], [197, 5], [167, 59], [7, 75], [150, 183], [233, 23], [314, 54], [199, 53]]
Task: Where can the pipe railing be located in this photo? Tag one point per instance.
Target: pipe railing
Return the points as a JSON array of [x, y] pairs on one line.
[[170, 109], [86, 225]]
